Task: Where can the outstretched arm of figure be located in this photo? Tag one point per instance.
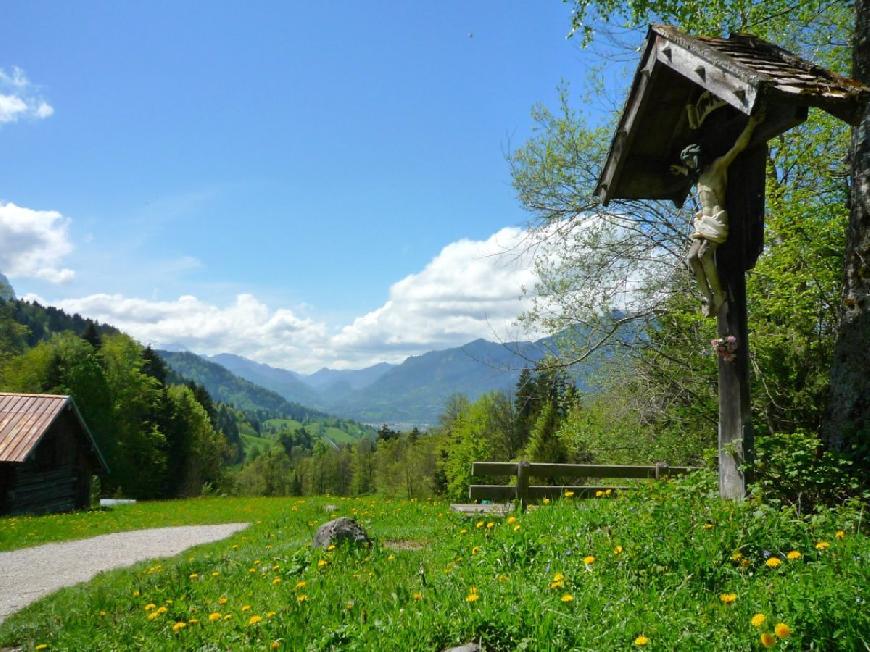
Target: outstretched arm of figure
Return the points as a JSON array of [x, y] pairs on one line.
[[742, 140]]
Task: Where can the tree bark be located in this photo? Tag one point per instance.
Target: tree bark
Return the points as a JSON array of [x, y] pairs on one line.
[[847, 428]]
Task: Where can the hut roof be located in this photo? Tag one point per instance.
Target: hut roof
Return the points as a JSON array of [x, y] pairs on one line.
[[742, 72], [25, 418]]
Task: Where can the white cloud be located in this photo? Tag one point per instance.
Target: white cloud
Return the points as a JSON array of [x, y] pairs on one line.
[[470, 289], [33, 242], [19, 98]]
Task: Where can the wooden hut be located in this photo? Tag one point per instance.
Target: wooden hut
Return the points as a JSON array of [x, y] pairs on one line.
[[47, 455]]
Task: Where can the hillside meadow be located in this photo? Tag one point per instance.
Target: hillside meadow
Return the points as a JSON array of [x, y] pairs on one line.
[[668, 567]]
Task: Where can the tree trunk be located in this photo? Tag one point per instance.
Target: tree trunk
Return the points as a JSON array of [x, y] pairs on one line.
[[847, 428]]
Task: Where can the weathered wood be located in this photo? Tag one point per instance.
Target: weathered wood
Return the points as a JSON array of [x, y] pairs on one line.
[[523, 484], [538, 469]]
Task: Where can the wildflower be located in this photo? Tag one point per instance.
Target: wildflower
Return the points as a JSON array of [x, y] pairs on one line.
[[475, 550], [276, 581], [153, 615], [558, 581], [135, 594], [767, 640], [330, 547], [823, 545], [516, 528], [567, 598], [641, 640], [708, 526], [252, 570], [463, 531], [102, 612], [617, 550], [253, 620], [246, 607], [840, 534], [607, 492], [728, 598], [599, 493], [150, 606], [511, 520], [275, 645], [490, 525], [193, 621], [794, 554], [773, 562], [322, 563], [177, 627], [478, 525], [222, 599], [417, 597], [228, 617], [215, 574], [392, 557], [758, 620], [213, 616], [546, 501], [736, 555], [782, 630], [41, 646], [301, 598], [473, 595], [300, 584], [588, 559], [193, 576], [161, 610], [569, 494], [271, 614]]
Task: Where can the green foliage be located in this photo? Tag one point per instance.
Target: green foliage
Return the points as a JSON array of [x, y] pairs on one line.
[[412, 588], [794, 470]]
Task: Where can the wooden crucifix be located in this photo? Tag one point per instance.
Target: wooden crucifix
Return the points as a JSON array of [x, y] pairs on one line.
[[700, 112]]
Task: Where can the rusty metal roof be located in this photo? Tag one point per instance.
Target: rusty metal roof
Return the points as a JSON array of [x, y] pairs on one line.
[[677, 71], [25, 418]]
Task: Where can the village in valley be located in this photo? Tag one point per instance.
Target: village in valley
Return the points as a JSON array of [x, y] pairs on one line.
[[616, 396]]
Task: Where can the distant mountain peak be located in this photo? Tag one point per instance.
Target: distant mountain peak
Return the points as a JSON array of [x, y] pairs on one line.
[[6, 291]]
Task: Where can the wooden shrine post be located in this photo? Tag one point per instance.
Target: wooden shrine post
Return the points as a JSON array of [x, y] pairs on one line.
[[691, 89]]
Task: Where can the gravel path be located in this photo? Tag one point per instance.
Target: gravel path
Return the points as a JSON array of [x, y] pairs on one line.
[[31, 573]]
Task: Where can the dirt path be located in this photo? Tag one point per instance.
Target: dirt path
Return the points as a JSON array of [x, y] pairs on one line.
[[31, 573]]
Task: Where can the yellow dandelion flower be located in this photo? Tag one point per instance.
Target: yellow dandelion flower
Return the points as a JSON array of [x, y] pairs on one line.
[[516, 528], [767, 639], [102, 612], [607, 492], [475, 550], [275, 645], [322, 563], [840, 534], [708, 526], [758, 620], [511, 520], [478, 525], [301, 598], [150, 606], [213, 616], [736, 555], [490, 525], [728, 598], [252, 570], [193, 576], [222, 599], [330, 547], [276, 581], [271, 614], [246, 607], [301, 584], [161, 610], [569, 494], [177, 627], [228, 617], [153, 615], [823, 545], [641, 640], [391, 557], [773, 562], [782, 630], [472, 597], [546, 501], [589, 559], [567, 598], [136, 594], [793, 554], [41, 646], [417, 597], [215, 574], [599, 493], [255, 619], [617, 550]]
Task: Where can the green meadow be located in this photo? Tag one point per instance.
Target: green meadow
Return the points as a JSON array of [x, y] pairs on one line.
[[667, 567]]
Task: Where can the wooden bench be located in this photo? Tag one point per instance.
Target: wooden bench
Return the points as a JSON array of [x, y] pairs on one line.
[[523, 492]]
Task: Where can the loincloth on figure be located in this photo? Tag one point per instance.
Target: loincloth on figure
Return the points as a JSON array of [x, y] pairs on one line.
[[713, 228]]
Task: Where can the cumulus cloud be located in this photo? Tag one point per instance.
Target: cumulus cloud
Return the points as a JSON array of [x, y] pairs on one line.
[[33, 242], [471, 289], [19, 98]]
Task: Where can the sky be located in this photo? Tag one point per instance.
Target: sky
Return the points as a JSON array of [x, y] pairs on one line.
[[304, 184]]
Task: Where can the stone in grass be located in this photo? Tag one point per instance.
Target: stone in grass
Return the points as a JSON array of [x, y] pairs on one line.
[[468, 647], [338, 531]]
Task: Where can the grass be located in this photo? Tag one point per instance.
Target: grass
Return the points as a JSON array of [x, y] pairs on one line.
[[669, 564]]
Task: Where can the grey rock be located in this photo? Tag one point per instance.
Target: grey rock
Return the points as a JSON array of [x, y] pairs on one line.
[[340, 530], [468, 647]]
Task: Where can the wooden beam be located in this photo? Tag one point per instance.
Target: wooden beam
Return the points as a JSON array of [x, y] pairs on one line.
[[542, 469]]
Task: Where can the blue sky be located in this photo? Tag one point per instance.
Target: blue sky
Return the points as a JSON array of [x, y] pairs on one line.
[[318, 160]]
